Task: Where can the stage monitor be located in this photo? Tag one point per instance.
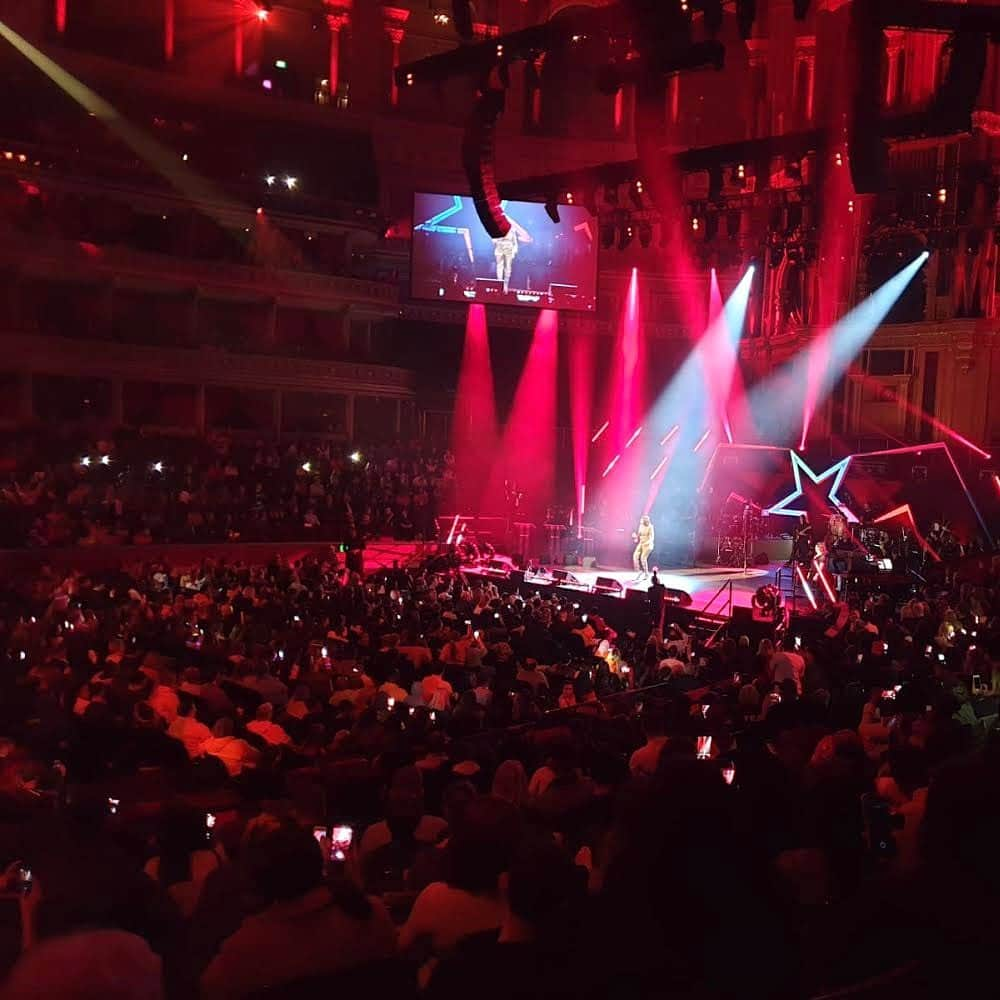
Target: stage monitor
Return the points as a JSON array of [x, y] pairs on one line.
[[540, 263]]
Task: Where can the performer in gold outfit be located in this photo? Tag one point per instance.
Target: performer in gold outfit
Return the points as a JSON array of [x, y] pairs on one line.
[[645, 539]]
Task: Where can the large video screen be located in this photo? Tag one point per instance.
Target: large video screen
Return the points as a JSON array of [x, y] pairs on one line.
[[539, 263]]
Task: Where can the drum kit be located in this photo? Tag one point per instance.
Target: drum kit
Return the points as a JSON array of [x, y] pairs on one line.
[[740, 525]]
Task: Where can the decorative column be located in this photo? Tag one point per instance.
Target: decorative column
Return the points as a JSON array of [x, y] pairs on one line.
[[60, 11], [349, 416], [394, 21], [805, 52], [757, 119], [338, 17], [238, 38], [674, 99], [535, 108], [169, 29], [893, 48]]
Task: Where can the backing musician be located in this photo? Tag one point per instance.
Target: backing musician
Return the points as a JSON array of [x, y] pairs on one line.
[[645, 538], [802, 542]]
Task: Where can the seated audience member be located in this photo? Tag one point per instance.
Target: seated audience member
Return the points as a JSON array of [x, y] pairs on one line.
[[266, 729], [405, 790], [435, 691], [188, 729], [645, 760], [528, 957], [306, 930], [469, 901], [88, 965], [510, 783], [184, 860], [237, 755]]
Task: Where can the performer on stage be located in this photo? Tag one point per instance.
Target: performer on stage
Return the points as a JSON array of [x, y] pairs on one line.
[[802, 544], [504, 252], [645, 538]]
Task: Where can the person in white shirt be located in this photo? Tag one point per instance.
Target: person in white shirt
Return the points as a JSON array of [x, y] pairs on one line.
[[267, 730], [235, 754], [188, 729]]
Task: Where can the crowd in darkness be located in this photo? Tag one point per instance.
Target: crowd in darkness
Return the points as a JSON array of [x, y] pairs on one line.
[[135, 490], [290, 780]]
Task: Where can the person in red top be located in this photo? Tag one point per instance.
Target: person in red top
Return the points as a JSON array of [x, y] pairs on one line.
[[435, 690]]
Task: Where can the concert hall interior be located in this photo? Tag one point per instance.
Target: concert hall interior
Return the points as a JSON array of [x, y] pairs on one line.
[[499, 497]]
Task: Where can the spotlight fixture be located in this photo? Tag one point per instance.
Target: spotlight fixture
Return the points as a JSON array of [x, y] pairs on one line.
[[355, 457], [263, 11], [269, 180], [635, 195], [105, 459], [552, 209], [741, 171], [291, 183], [157, 467], [441, 18], [85, 461], [942, 195], [569, 197]]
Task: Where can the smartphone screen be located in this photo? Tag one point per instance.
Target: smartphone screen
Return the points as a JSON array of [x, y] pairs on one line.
[[26, 880], [320, 834], [341, 838], [113, 805], [977, 681], [704, 747]]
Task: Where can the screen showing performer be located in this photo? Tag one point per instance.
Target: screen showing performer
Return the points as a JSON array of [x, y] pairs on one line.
[[645, 538], [537, 263]]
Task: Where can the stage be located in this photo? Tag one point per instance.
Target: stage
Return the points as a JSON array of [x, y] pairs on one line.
[[701, 583]]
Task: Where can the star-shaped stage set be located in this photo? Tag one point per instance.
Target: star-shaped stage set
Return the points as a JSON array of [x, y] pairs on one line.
[[887, 482], [836, 473]]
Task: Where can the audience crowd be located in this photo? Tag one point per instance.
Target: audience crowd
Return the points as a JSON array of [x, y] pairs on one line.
[[136, 490], [262, 780]]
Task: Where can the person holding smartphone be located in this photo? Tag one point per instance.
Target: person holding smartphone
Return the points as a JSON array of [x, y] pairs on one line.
[[306, 928]]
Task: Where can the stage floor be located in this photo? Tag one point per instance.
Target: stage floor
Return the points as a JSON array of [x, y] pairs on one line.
[[701, 582]]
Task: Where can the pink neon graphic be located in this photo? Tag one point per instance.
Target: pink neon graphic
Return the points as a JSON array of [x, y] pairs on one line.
[[932, 420], [996, 482], [673, 430], [805, 586], [823, 580], [454, 525], [635, 434], [600, 430], [702, 440], [906, 513], [663, 461], [611, 465]]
